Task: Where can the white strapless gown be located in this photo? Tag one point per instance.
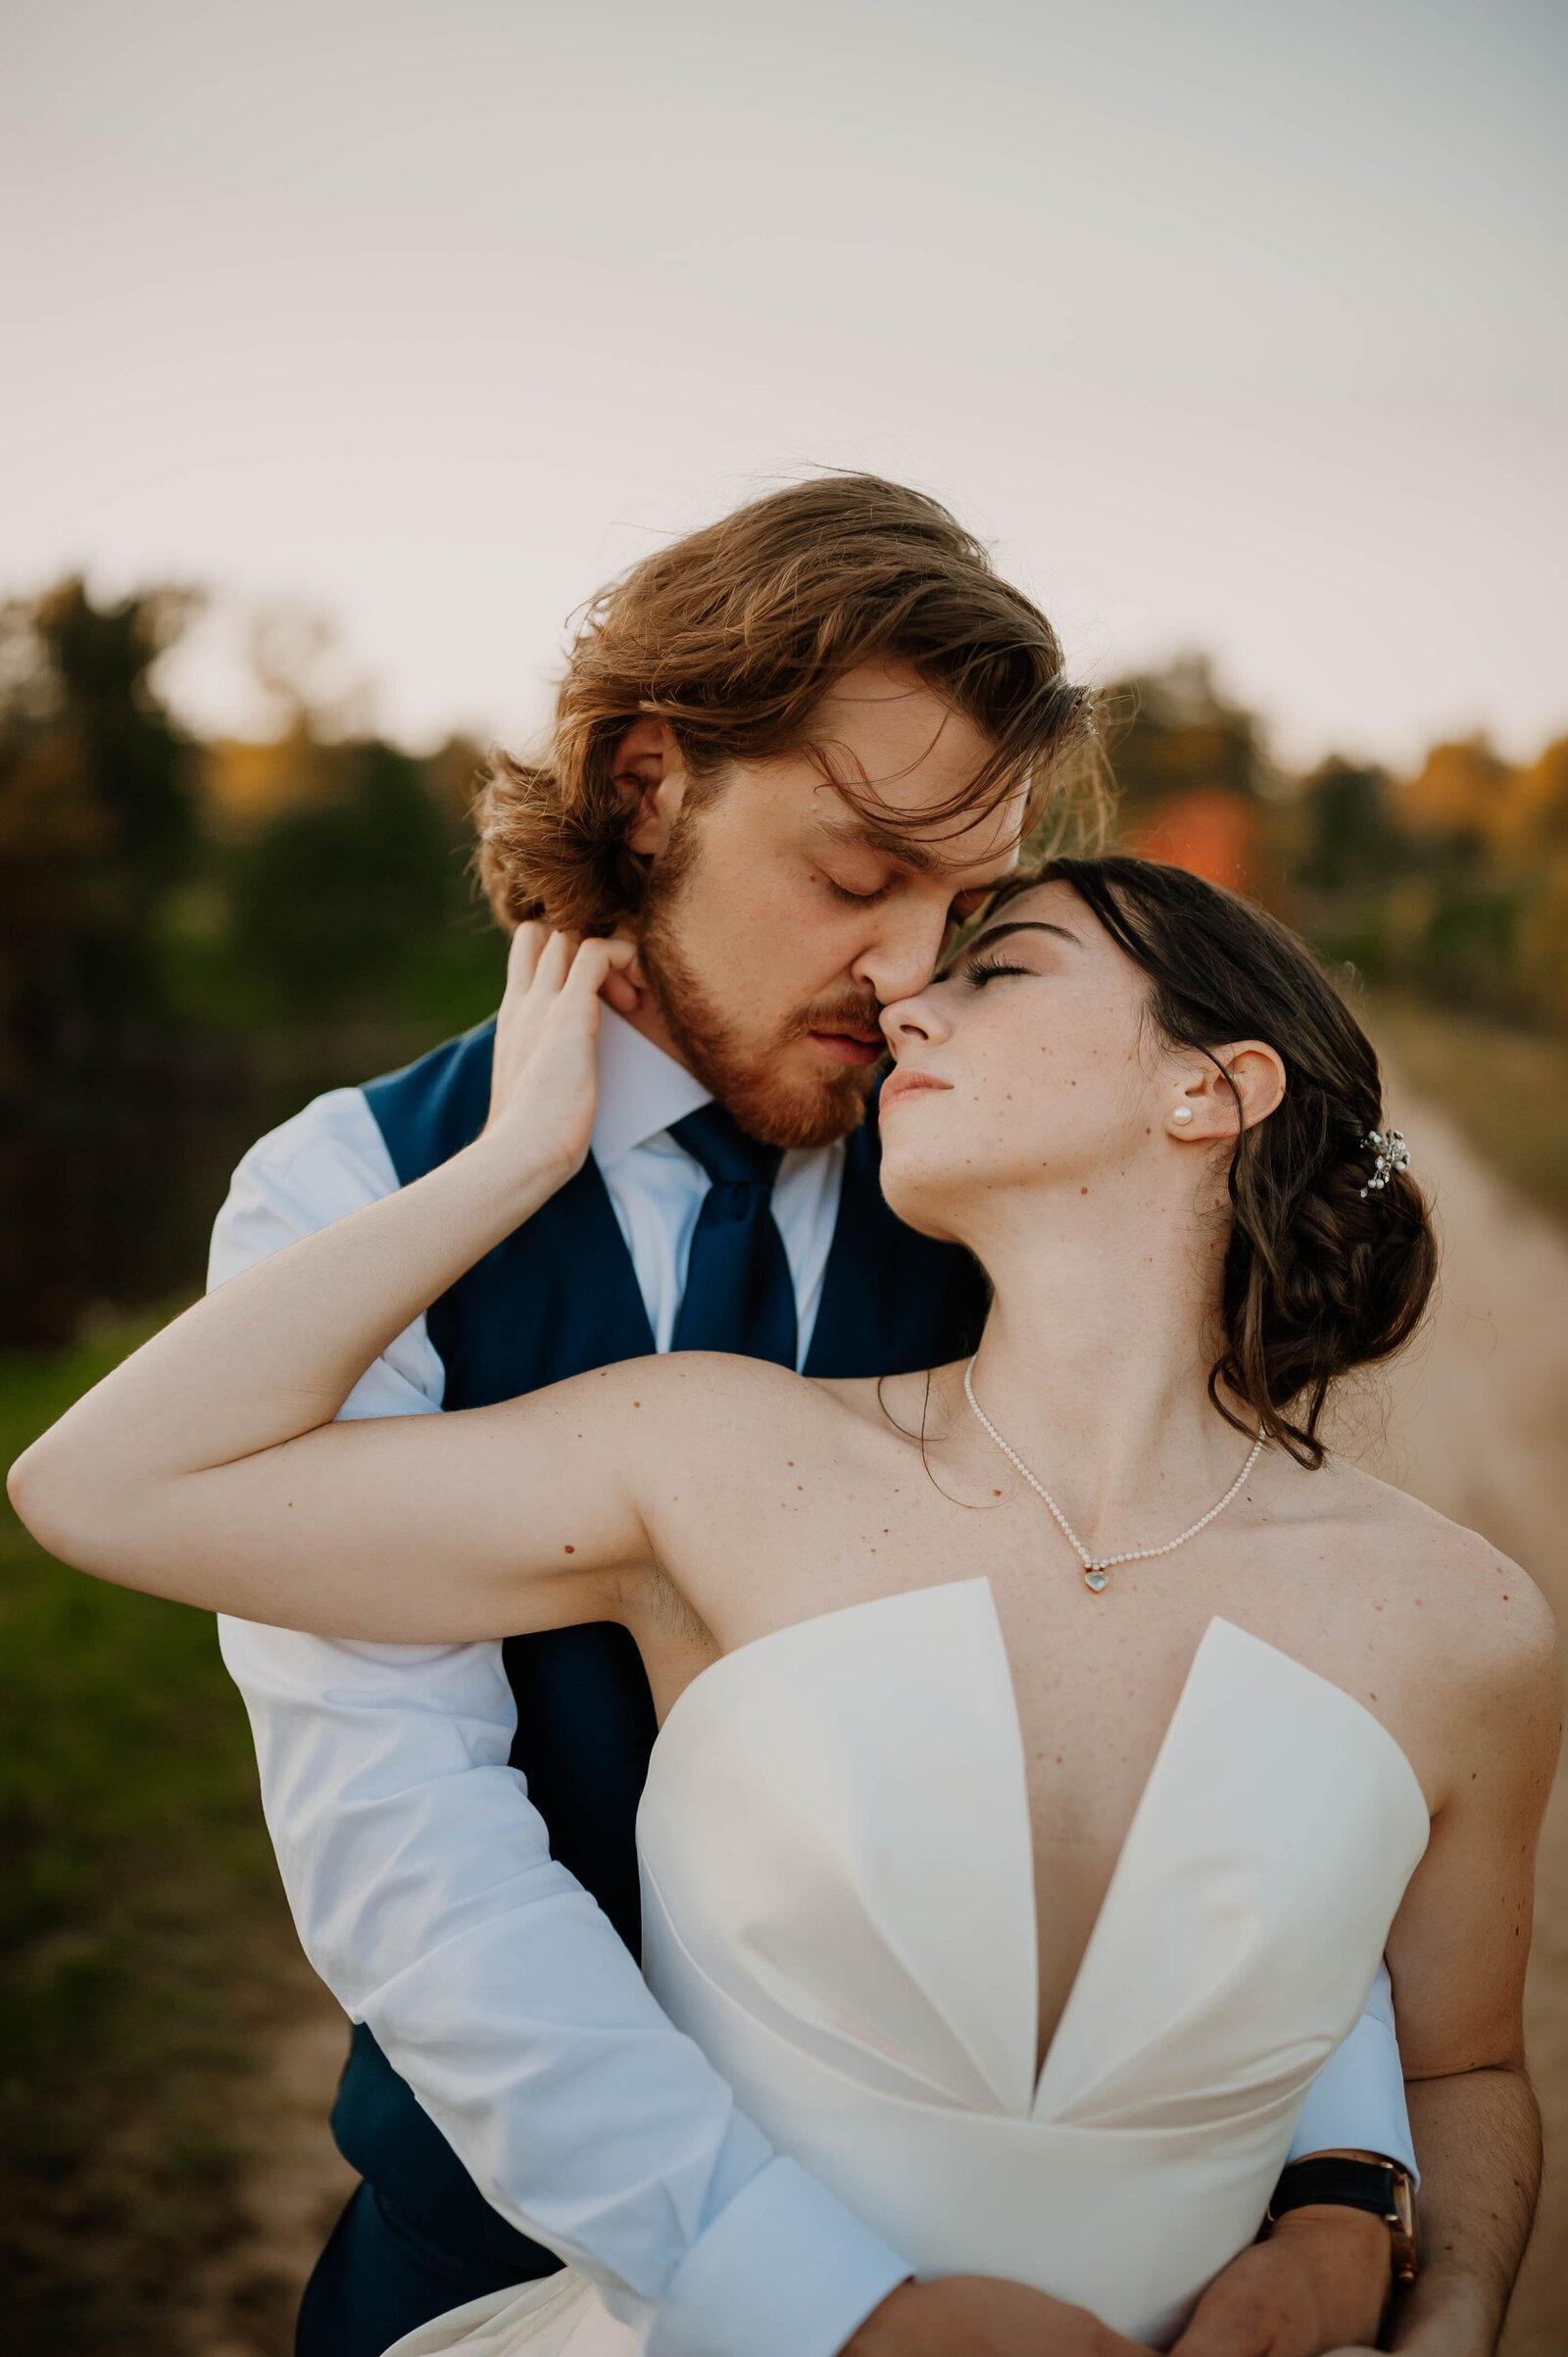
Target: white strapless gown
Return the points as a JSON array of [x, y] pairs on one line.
[[839, 1908]]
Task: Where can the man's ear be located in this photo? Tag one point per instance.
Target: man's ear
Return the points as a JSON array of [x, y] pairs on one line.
[[647, 768]]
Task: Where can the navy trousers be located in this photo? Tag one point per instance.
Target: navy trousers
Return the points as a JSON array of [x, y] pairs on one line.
[[378, 2277]]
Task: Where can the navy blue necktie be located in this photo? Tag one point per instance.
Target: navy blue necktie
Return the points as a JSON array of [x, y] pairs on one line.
[[739, 1294]]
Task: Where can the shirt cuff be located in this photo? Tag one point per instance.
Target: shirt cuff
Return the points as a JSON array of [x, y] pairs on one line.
[[784, 2271], [1356, 2101]]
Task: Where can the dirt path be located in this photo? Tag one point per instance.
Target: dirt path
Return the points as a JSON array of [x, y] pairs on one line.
[[1477, 1425]]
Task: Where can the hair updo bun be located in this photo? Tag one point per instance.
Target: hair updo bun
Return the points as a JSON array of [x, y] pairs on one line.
[[1324, 1272]]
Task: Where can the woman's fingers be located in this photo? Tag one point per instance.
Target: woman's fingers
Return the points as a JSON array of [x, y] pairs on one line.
[[544, 1053], [594, 960], [555, 964], [537, 964], [540, 961], [523, 958], [553, 985]]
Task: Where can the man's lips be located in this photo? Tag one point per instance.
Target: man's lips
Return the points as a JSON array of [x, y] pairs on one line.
[[907, 1082], [851, 1046]]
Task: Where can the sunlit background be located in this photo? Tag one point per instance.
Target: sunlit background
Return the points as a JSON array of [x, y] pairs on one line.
[[1234, 325], [348, 350]]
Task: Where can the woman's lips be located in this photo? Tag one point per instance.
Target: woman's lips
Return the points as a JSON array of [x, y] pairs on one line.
[[845, 1048], [908, 1084]]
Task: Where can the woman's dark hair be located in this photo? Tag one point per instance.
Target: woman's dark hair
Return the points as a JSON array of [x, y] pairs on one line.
[[1323, 1274]]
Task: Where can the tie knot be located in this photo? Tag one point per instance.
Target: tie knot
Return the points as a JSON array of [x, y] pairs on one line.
[[712, 1137]]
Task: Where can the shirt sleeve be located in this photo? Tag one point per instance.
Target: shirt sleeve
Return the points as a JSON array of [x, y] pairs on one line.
[[423, 1888], [1356, 2102]]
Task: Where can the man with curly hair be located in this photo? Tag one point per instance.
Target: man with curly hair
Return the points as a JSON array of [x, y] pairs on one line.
[[791, 754]]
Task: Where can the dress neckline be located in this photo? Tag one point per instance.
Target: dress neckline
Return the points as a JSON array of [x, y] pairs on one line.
[[1217, 1629]]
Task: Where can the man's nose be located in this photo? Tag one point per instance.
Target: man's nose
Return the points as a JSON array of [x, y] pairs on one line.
[[902, 957]]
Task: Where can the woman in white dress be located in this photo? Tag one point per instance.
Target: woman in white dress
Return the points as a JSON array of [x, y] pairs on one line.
[[1049, 1750]]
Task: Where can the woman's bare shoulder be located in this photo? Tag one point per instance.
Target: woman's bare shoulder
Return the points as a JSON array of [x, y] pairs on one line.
[[1456, 1594], [732, 1410]]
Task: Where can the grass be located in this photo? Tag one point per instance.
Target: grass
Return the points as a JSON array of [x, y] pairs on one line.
[[1506, 1088], [141, 1930]]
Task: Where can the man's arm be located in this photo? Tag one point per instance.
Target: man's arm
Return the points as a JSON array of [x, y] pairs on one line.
[[425, 1897], [1458, 1951], [1459, 1947], [1480, 2138]]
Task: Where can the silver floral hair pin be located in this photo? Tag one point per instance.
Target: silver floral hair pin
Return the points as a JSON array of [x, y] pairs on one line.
[[1391, 1153]]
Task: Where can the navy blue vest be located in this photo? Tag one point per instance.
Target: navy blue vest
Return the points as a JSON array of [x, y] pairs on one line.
[[558, 1297]]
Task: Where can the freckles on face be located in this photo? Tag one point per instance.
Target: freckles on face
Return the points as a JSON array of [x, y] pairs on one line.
[[1040, 1033]]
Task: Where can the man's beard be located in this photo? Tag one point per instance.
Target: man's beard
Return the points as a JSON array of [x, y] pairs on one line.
[[742, 1075]]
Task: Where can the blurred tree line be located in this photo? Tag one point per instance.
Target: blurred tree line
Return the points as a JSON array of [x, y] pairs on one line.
[[1452, 883], [194, 937]]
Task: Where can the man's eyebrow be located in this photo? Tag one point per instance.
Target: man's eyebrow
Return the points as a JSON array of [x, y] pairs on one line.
[[859, 835], [1022, 924], [919, 858]]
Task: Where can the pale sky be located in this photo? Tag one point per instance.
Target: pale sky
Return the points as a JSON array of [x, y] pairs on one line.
[[1236, 324]]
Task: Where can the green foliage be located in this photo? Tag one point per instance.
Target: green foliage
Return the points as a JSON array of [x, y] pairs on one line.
[[1466, 956], [98, 825], [97, 821], [1171, 732], [155, 945], [329, 904], [1451, 913], [1352, 836], [138, 763], [1452, 884], [140, 1930]]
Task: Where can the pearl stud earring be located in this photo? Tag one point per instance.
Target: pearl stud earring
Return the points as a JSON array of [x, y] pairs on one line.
[[1182, 1115]]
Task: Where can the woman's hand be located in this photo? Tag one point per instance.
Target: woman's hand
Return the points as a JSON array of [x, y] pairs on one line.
[[543, 1086], [210, 1450]]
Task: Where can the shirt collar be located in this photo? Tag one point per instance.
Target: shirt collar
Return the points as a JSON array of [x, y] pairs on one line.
[[641, 1088]]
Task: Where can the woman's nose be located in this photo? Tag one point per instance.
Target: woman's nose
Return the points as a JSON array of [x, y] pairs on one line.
[[907, 1020]]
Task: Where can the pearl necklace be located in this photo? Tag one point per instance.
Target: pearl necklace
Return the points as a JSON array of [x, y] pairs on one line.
[[1096, 1569]]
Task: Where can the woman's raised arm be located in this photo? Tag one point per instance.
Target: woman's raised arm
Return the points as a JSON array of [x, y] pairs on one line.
[[208, 1466]]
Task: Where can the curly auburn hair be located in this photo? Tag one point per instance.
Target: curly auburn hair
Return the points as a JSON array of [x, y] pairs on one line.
[[732, 636], [1322, 1274]]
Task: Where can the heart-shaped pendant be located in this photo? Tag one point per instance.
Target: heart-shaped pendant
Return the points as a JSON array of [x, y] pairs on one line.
[[1095, 1578]]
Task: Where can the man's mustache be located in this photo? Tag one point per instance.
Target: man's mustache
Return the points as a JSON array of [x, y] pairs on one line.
[[861, 1016]]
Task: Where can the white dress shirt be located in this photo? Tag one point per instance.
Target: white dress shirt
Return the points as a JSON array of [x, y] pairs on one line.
[[421, 1877]]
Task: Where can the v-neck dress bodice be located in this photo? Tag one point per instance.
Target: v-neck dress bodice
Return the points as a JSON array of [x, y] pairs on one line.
[[839, 1907]]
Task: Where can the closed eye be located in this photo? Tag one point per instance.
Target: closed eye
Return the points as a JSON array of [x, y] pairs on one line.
[[979, 970], [842, 892]]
